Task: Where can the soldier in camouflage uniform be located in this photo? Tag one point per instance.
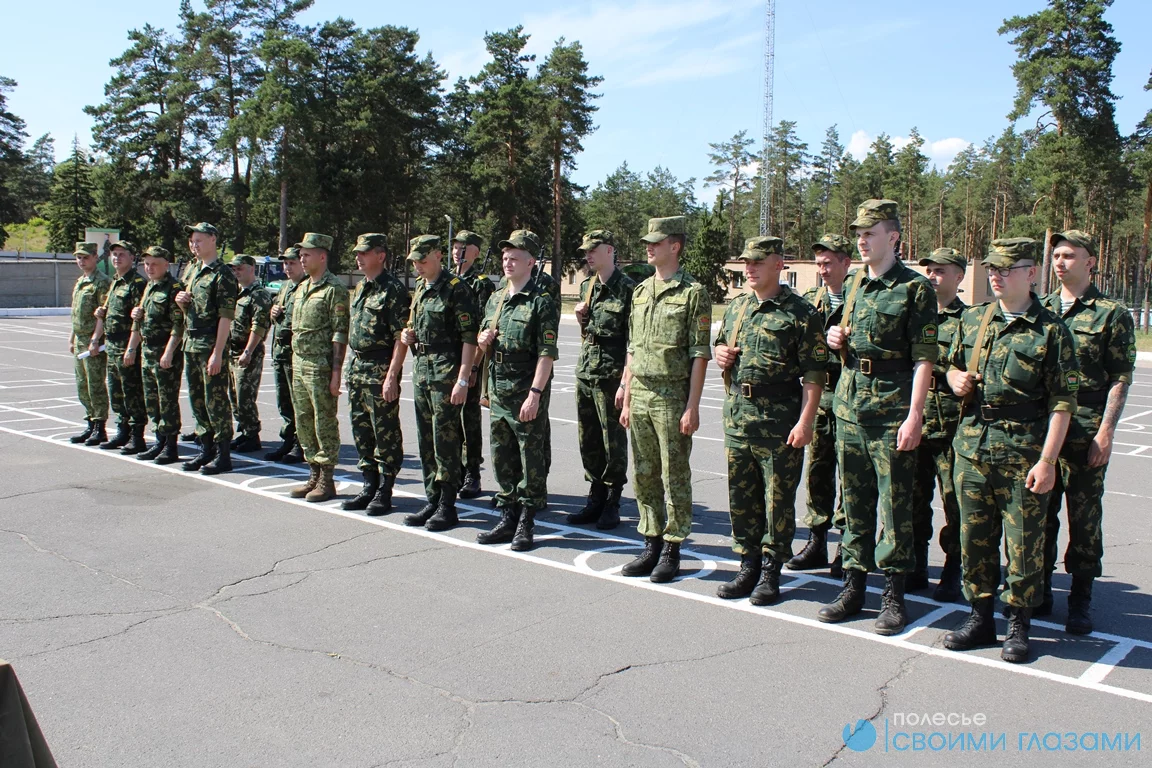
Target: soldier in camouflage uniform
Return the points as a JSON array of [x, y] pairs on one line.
[[157, 330], [114, 325], [209, 304], [441, 334], [246, 344], [519, 336], [289, 451], [379, 310], [833, 257], [319, 342], [465, 250], [1106, 353], [887, 343], [89, 293], [772, 350], [945, 268], [668, 353], [1014, 363], [605, 304]]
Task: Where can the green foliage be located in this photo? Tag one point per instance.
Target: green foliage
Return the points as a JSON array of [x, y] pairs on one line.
[[732, 160], [707, 253], [11, 157], [625, 200], [71, 207]]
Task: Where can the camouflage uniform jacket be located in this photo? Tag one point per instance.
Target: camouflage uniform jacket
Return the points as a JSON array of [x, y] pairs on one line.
[[282, 328], [527, 329], [669, 327], [163, 317], [604, 348], [894, 318], [942, 408], [319, 318], [444, 318], [214, 290], [818, 297], [253, 313], [379, 312], [1031, 360], [781, 343], [123, 296], [480, 284], [88, 294]]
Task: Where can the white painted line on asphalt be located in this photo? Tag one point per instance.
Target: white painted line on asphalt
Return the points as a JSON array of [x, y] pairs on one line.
[[1136, 416], [1098, 671], [928, 619], [10, 409]]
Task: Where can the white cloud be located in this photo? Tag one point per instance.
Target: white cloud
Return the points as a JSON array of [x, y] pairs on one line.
[[940, 153]]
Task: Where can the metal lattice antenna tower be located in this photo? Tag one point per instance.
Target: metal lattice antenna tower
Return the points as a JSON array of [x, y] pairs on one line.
[[769, 77]]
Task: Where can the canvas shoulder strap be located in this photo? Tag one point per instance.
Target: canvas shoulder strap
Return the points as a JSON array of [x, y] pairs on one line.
[[846, 317], [734, 341]]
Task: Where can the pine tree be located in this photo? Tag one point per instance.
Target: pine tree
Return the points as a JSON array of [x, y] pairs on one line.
[[71, 207], [732, 161], [12, 158]]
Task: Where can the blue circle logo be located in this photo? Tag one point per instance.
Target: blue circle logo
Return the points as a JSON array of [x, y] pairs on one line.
[[862, 738]]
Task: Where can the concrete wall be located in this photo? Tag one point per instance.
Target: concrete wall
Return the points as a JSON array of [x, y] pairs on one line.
[[38, 283]]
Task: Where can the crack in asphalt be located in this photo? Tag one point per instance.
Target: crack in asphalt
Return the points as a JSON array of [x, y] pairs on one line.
[[124, 631], [904, 668]]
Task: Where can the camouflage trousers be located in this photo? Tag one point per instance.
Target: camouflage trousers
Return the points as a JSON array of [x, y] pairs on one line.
[[375, 422], [823, 509], [243, 389], [437, 433], [470, 421], [762, 483], [209, 396], [934, 462], [125, 388], [661, 468], [282, 375], [603, 442], [876, 482], [315, 406], [162, 391], [91, 382], [519, 451], [1082, 489], [995, 504]]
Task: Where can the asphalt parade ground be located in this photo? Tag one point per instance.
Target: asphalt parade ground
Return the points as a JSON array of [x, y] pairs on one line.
[[162, 618]]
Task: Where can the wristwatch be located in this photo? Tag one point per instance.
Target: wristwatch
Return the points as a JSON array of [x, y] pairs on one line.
[[537, 391], [462, 383], [1048, 460]]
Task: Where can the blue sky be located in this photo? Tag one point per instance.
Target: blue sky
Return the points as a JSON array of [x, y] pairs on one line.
[[678, 74]]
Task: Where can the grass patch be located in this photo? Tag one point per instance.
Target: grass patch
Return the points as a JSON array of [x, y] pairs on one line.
[[1144, 341], [31, 237]]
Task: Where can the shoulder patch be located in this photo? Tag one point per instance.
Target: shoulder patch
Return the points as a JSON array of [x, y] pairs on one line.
[[341, 309], [454, 281], [549, 337], [820, 352], [928, 335], [1073, 380], [464, 317], [704, 322], [1132, 354]]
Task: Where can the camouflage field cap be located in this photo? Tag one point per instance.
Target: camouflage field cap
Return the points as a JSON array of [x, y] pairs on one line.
[[945, 256], [760, 248], [291, 253], [370, 241], [834, 243], [420, 246], [1005, 252], [596, 238], [315, 240], [85, 249], [1075, 237], [203, 227], [872, 212], [660, 229], [524, 240], [243, 258], [130, 247], [468, 237], [158, 252]]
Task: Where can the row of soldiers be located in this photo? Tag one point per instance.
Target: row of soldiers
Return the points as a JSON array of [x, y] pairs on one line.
[[893, 382]]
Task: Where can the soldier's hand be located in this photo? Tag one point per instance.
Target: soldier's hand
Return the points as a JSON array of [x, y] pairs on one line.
[[71, 347], [726, 356], [166, 360], [93, 348], [277, 311], [184, 299], [836, 337], [581, 311], [963, 383], [137, 313], [690, 421], [626, 416], [459, 394], [129, 358], [215, 363], [801, 435], [100, 313], [334, 384], [486, 337], [908, 436], [1041, 478], [620, 397], [391, 389], [408, 337], [244, 359], [1099, 450], [530, 407]]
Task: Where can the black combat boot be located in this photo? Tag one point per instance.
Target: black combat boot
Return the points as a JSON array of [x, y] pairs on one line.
[[918, 578], [207, 453], [849, 602], [1080, 606], [367, 492], [286, 445], [590, 513], [836, 564], [522, 539], [221, 462], [1016, 642], [503, 531], [470, 488], [445, 517], [87, 433], [643, 565], [381, 503], [893, 614], [98, 434], [815, 552], [768, 589], [669, 566], [977, 630], [190, 437], [745, 580], [156, 449], [136, 444], [123, 435], [426, 511], [247, 444], [170, 454], [948, 589], [610, 515], [295, 456]]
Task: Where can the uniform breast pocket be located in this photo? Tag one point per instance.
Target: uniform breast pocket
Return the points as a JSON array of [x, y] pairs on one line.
[[672, 319], [516, 331], [609, 317], [887, 323], [772, 340], [1023, 368], [1089, 343]]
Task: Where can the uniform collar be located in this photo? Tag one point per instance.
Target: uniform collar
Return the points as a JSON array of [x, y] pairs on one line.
[[955, 307], [889, 277], [778, 300], [1030, 315]]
